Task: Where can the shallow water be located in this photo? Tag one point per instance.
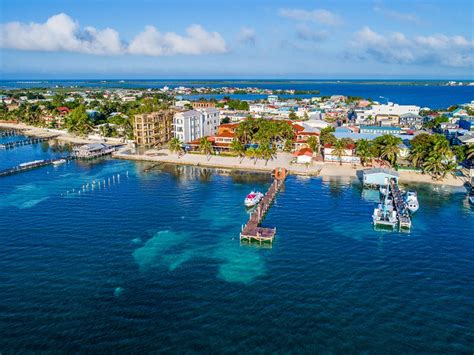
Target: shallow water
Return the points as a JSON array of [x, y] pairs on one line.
[[136, 261]]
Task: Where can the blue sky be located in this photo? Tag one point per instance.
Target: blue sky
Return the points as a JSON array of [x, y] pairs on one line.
[[242, 39]]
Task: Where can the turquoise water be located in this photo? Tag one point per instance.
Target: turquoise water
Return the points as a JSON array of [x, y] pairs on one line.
[[101, 256]]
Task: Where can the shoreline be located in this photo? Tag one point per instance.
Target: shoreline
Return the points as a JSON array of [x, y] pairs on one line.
[[47, 132], [316, 169], [282, 160]]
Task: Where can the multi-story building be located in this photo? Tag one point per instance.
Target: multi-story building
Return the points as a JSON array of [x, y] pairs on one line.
[[195, 124], [153, 129], [203, 104]]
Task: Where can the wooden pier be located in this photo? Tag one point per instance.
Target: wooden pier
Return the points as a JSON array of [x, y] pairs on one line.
[[9, 133], [400, 205], [252, 231], [32, 165], [23, 142]]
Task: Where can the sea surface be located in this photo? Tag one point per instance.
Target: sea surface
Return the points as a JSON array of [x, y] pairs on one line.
[[119, 256], [432, 94]]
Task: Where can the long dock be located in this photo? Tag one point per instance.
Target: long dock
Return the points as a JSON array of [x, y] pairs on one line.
[[23, 142], [10, 132], [400, 205], [32, 165], [252, 229]]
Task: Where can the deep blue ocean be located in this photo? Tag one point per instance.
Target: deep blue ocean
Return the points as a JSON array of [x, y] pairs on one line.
[[104, 256], [432, 94]]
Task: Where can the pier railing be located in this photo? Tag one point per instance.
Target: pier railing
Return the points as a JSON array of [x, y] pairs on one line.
[[252, 229]]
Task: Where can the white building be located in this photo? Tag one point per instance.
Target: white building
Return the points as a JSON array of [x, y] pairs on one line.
[[195, 124], [392, 109], [380, 111]]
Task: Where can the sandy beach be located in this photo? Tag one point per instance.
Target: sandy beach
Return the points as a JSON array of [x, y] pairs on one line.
[[282, 160], [46, 132]]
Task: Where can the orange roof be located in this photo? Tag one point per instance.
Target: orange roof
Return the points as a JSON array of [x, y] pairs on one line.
[[308, 133], [297, 127], [304, 151], [226, 134], [229, 125]]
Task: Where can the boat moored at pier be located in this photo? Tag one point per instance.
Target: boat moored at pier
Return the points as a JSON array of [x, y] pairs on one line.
[[253, 198]]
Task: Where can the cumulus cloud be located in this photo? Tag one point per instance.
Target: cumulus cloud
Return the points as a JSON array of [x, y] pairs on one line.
[[321, 16], [455, 51], [197, 41], [61, 33], [396, 15], [247, 35], [308, 34]]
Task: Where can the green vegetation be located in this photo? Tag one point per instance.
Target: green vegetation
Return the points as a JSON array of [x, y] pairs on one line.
[[175, 145], [432, 154], [78, 121], [292, 115], [339, 148], [237, 105], [205, 146], [327, 136], [313, 143], [436, 122], [364, 151]]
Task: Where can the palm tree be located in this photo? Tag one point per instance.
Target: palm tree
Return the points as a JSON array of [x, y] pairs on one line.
[[265, 152], [205, 147], [364, 151], [417, 156], [389, 149], [339, 149], [252, 154], [470, 151], [313, 143], [437, 166], [175, 145], [238, 148]]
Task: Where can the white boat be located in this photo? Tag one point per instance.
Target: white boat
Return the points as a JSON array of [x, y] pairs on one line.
[[411, 201], [383, 190], [59, 161], [253, 198], [384, 215]]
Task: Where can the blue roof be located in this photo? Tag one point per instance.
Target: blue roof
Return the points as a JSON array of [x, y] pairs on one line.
[[380, 127]]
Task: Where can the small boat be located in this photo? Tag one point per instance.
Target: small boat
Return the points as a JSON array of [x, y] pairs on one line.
[[470, 196], [411, 201], [59, 161], [383, 190], [253, 198], [384, 216]]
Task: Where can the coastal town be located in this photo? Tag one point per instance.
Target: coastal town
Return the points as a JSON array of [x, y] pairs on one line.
[[310, 135]]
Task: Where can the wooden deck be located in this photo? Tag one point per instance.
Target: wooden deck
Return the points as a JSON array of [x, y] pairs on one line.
[[400, 205], [28, 141], [252, 231]]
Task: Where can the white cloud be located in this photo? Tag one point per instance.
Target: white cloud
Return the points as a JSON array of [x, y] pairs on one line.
[[308, 34], [247, 35], [396, 15], [455, 51], [197, 41], [321, 16], [61, 33]]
